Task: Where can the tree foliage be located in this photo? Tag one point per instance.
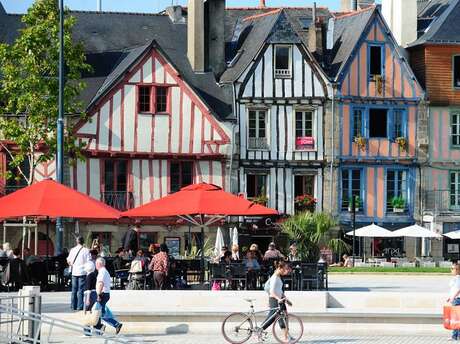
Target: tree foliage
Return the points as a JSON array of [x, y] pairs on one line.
[[311, 232], [29, 88]]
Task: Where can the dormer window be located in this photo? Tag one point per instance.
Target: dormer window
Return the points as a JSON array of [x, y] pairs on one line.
[[456, 71], [375, 62], [283, 58]]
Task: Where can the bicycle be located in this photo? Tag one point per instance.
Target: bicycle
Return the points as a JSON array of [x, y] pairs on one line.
[[238, 328]]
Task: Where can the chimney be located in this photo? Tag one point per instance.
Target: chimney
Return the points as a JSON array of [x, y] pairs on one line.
[[262, 4], [175, 14], [99, 5], [354, 5], [401, 17], [195, 35], [215, 36], [315, 34]]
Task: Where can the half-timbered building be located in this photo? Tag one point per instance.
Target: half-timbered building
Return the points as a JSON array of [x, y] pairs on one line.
[[279, 95], [378, 98]]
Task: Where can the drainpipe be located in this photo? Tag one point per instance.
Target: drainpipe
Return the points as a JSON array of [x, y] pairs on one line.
[[232, 143], [331, 192]]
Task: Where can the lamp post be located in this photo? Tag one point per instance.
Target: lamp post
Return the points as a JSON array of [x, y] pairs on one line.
[[353, 224], [60, 124]]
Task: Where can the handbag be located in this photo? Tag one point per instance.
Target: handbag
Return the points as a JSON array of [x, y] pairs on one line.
[[68, 270], [91, 318], [451, 317]]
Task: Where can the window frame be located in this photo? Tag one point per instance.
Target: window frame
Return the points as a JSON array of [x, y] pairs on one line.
[[388, 127], [350, 188], [266, 174], [392, 122], [153, 99], [457, 191], [314, 133], [181, 184], [363, 116], [453, 71], [276, 74], [452, 113], [405, 193], [267, 127], [115, 185], [382, 60]]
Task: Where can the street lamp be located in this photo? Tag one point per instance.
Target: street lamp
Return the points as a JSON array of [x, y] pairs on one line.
[[60, 124], [353, 224]]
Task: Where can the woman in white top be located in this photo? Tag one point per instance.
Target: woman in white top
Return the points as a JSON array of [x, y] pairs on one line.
[[454, 293], [276, 296]]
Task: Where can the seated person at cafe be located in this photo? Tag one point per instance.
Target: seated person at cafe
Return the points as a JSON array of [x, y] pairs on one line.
[[29, 258], [272, 252], [226, 258], [257, 254], [346, 263], [252, 268], [293, 253], [16, 272]]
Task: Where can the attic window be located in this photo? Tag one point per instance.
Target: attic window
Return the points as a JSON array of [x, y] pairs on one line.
[[456, 71], [305, 22], [375, 62], [153, 99], [283, 58]]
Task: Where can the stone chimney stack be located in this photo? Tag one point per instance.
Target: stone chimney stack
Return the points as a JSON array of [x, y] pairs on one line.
[[99, 5], [195, 35], [401, 17], [353, 5], [214, 33], [262, 4], [315, 34]]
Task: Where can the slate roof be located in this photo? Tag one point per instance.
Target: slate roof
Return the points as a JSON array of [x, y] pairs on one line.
[[112, 41], [444, 27], [347, 32]]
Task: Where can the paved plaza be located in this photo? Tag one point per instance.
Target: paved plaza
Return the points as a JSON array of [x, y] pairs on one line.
[[326, 339]]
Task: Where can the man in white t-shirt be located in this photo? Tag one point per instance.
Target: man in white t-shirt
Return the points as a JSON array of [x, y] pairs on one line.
[[103, 284], [78, 257]]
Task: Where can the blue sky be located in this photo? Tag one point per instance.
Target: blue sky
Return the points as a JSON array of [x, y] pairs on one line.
[[20, 6]]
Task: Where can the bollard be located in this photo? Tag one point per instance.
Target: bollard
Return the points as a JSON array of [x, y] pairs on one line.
[[31, 303]]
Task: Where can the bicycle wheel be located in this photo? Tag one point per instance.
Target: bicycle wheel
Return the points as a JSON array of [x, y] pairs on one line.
[[237, 328], [287, 329]]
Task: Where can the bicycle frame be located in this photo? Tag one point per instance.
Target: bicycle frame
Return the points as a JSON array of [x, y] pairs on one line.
[[252, 314]]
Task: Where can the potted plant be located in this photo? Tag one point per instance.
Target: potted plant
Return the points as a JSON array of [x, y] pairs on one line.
[[305, 203], [398, 204], [357, 204], [361, 142], [402, 142], [261, 199]]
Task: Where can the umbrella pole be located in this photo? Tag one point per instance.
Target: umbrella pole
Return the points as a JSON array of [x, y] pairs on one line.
[[47, 236], [4, 232], [202, 254], [36, 239]]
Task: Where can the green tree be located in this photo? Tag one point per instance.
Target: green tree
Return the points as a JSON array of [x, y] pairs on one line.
[[311, 232], [29, 70]]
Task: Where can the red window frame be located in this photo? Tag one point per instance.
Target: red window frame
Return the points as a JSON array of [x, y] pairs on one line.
[[153, 99]]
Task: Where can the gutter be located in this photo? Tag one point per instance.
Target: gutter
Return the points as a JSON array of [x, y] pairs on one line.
[[331, 192]]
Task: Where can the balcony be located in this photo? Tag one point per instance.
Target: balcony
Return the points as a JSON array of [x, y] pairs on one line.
[[121, 200], [260, 143], [440, 202]]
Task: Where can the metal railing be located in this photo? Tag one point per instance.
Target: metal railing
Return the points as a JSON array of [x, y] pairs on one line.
[[121, 200], [283, 73], [20, 326], [440, 202], [257, 143]]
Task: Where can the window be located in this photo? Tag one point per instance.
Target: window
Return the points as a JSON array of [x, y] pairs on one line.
[[144, 98], [455, 189], [304, 185], [351, 186], [396, 188], [375, 61], [455, 128], [378, 123], [256, 187], [153, 99], [304, 122], [115, 184], [161, 96], [358, 123], [398, 123], [456, 71], [15, 179], [257, 138], [181, 174], [283, 61]]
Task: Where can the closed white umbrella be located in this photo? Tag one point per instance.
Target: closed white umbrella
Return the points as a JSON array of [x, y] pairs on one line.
[[453, 235], [416, 231], [219, 242], [235, 236]]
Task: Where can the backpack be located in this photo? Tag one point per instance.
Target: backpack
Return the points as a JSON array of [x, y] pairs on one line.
[[267, 286]]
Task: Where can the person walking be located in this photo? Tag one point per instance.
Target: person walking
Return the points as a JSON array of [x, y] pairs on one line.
[[103, 284], [90, 288], [78, 257], [276, 297], [454, 294], [160, 265], [130, 240]]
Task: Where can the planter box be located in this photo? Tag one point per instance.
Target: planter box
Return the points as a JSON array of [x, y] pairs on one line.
[[351, 210], [398, 210]]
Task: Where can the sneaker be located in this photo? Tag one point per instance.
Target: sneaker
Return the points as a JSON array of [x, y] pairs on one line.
[[118, 328]]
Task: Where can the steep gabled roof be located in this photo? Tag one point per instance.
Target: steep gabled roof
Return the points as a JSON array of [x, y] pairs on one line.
[[348, 29], [444, 27], [112, 41]]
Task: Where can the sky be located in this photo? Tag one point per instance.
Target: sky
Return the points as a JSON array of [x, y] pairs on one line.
[[20, 6]]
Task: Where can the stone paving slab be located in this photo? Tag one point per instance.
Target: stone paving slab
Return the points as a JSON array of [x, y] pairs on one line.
[[188, 339]]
